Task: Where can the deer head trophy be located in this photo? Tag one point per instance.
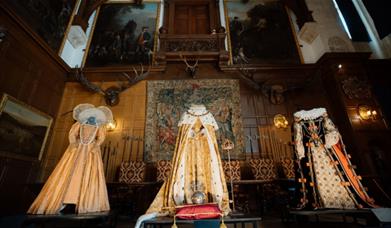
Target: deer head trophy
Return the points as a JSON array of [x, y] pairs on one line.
[[111, 94], [274, 92], [190, 69]]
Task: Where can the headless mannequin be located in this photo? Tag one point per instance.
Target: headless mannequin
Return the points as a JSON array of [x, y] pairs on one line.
[[71, 208], [197, 107]]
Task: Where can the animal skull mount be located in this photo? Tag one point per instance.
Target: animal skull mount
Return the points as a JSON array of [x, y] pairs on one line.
[[190, 69], [275, 93], [111, 94]]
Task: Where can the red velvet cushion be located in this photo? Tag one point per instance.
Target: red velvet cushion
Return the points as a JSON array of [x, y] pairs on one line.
[[203, 211]]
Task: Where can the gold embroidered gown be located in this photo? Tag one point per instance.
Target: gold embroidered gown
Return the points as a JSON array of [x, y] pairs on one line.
[[326, 177], [196, 166], [78, 177]]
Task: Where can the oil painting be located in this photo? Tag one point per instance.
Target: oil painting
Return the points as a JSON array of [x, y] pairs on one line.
[[124, 34], [23, 130], [260, 33], [49, 19], [168, 100]]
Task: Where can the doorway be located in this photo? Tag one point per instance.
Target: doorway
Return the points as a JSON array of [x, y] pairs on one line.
[[192, 18]]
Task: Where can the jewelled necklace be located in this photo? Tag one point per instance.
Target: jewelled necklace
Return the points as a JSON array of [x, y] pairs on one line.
[[197, 115], [84, 139]]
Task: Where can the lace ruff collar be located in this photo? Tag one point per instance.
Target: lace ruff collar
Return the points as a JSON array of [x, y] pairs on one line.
[[197, 110], [190, 116], [310, 114]]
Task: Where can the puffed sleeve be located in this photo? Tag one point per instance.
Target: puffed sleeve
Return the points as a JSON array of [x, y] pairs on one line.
[[74, 133], [100, 135], [298, 137], [331, 133]]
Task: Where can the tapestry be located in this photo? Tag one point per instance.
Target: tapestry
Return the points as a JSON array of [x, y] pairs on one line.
[[168, 100]]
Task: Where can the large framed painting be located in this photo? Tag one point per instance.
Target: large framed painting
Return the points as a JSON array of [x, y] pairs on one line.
[[23, 130], [49, 19], [260, 32], [124, 34], [167, 100]]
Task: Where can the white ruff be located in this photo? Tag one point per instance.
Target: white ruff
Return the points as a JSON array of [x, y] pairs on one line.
[[198, 112], [310, 114]]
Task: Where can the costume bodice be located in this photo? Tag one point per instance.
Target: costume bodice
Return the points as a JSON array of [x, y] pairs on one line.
[[314, 127], [87, 133], [198, 130]]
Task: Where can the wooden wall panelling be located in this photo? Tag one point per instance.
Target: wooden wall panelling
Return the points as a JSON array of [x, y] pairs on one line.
[[35, 76], [262, 139], [357, 134]]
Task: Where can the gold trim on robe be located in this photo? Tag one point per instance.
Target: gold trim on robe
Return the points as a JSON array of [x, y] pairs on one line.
[[196, 166]]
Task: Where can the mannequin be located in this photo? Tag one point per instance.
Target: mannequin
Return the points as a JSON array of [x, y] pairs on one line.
[[77, 184], [196, 167]]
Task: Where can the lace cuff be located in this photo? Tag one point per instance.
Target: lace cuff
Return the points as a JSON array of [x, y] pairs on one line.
[[207, 119]]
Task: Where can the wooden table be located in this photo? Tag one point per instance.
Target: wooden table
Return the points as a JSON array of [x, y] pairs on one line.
[[168, 221], [103, 219], [354, 213]]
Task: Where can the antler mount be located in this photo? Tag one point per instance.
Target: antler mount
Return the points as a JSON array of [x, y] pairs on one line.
[[111, 94]]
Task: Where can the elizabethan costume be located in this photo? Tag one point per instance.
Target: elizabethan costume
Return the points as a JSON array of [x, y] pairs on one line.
[[196, 167], [78, 178], [326, 176]]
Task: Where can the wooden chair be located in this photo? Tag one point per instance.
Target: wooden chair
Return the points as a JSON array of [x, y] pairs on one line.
[[231, 170], [164, 168], [132, 172], [265, 170], [288, 168]]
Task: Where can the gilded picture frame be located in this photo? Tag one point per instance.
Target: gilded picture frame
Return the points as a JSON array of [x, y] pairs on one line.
[[260, 32], [124, 47], [23, 130]]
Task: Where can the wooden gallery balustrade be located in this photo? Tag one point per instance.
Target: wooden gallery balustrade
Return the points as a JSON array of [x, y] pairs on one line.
[[203, 47]]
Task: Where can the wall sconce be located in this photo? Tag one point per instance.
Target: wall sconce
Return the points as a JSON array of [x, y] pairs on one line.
[[280, 121], [366, 112], [111, 125]]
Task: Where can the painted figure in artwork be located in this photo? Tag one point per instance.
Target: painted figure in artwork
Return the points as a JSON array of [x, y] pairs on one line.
[[77, 183], [196, 166], [326, 177]]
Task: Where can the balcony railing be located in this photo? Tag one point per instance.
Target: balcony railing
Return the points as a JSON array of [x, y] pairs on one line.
[[204, 47]]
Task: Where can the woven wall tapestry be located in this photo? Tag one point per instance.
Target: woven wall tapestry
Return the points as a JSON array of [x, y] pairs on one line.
[[166, 102]]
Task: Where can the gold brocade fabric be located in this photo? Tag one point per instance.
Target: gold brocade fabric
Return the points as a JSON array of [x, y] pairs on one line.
[[196, 165], [78, 177]]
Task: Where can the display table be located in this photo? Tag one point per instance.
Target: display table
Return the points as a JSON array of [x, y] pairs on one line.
[[303, 216], [101, 219], [168, 221]]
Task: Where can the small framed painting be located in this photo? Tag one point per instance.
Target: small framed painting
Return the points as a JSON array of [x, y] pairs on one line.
[[23, 130]]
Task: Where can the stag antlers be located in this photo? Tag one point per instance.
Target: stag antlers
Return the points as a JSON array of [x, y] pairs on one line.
[[191, 69], [111, 94]]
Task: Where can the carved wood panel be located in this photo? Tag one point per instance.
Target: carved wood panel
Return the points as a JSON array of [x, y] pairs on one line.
[[34, 77]]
